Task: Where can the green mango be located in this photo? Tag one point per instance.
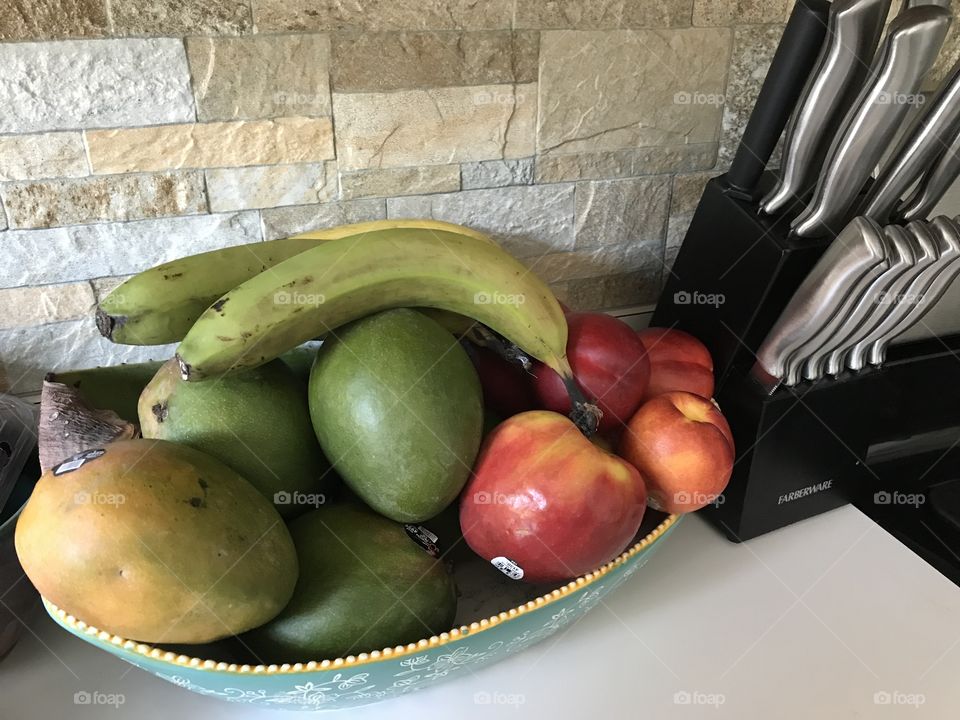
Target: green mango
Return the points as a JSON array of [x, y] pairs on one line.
[[364, 585], [116, 387], [397, 407], [256, 421]]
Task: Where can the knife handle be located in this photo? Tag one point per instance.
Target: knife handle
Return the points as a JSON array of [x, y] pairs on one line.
[[791, 65], [949, 230], [922, 146], [855, 250], [908, 51], [934, 183], [853, 33]]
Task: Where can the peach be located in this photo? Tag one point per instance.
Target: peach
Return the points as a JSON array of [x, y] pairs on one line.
[[682, 445], [678, 361]]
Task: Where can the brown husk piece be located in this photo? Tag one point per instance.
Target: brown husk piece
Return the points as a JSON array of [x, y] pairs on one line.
[[69, 426]]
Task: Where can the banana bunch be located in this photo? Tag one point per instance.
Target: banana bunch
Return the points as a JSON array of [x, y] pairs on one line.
[[159, 305], [242, 306], [342, 280]]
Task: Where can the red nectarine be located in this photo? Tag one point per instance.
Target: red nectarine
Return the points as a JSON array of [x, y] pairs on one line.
[[549, 500], [683, 447]]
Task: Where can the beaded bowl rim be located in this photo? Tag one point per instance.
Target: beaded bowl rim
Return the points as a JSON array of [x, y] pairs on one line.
[[474, 628]]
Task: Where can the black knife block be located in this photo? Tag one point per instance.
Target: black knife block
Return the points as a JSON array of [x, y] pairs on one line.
[[814, 447]]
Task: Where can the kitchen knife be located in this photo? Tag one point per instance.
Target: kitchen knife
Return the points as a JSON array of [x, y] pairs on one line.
[[820, 334], [853, 31], [922, 145], [934, 183], [906, 54], [929, 250], [863, 317], [907, 4], [794, 58], [855, 251], [948, 232]]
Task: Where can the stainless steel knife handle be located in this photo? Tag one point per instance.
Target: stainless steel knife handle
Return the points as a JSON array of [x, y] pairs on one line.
[[853, 32], [934, 183], [926, 252], [864, 313], [907, 4], [929, 251], [807, 360], [906, 54], [848, 257], [922, 145], [947, 231]]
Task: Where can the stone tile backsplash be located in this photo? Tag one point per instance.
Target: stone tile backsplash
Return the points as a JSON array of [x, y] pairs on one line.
[[579, 133]]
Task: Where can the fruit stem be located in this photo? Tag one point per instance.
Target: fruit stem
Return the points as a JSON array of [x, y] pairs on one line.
[[586, 416]]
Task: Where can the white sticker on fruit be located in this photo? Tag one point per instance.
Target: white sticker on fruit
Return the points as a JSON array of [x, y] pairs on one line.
[[77, 461], [508, 567]]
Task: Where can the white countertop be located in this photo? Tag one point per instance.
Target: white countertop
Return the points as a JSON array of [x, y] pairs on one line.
[[825, 619]]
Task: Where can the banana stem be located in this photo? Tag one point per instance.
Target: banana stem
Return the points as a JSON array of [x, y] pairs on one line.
[[586, 416]]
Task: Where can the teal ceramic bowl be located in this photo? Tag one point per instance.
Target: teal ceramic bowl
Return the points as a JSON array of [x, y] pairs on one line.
[[381, 674]]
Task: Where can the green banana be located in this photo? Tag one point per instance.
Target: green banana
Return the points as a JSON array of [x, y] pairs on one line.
[[346, 279], [159, 305]]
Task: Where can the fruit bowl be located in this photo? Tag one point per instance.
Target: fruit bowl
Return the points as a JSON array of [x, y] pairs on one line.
[[535, 613]]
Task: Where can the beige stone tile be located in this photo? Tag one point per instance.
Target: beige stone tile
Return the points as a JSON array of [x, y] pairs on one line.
[[287, 221], [49, 19], [53, 203], [434, 126], [726, 13], [93, 83], [400, 181], [218, 144], [26, 306], [180, 17], [687, 190], [109, 249], [278, 15], [753, 49], [373, 62], [527, 220], [47, 155], [496, 173], [622, 212], [639, 287], [603, 14], [652, 160], [597, 262], [672, 94], [242, 78], [271, 186], [29, 353]]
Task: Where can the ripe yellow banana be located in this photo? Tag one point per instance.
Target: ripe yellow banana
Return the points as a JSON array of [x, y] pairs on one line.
[[160, 305], [342, 280]]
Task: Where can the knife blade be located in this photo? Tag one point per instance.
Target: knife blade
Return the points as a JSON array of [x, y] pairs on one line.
[[809, 352], [864, 314], [906, 54], [852, 254], [853, 32], [922, 145], [947, 231], [929, 250]]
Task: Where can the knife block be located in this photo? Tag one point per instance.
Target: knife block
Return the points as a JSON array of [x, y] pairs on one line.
[[814, 447]]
